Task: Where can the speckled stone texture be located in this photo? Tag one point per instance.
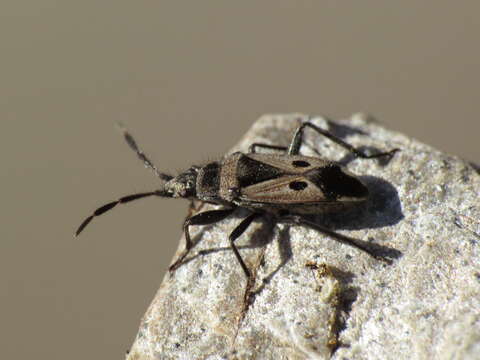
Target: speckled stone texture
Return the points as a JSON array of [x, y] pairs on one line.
[[314, 298]]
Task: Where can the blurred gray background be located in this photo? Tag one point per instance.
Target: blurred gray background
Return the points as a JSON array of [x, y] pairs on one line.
[[188, 79]]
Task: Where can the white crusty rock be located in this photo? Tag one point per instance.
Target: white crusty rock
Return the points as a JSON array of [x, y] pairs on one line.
[[314, 298]]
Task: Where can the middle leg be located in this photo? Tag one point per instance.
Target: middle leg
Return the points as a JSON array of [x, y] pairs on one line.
[[239, 230]]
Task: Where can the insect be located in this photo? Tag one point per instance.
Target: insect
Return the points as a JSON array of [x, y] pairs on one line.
[[286, 185]]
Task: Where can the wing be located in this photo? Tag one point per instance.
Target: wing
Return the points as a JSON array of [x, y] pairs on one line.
[[288, 189], [291, 164], [284, 179]]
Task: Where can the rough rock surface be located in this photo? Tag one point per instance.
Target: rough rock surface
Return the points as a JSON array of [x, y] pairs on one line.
[[314, 298]]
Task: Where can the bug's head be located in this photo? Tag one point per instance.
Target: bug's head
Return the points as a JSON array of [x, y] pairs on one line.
[[183, 185]]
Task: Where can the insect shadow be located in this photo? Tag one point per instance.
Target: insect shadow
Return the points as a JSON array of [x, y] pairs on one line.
[[382, 208], [342, 130]]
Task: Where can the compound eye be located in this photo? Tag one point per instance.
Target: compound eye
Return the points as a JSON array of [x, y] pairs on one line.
[[297, 185]]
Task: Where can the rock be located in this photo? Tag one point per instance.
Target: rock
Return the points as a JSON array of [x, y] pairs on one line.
[[314, 298]]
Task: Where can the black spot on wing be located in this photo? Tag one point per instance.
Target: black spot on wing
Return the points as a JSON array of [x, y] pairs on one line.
[[297, 185], [336, 184], [250, 172], [300, 163]]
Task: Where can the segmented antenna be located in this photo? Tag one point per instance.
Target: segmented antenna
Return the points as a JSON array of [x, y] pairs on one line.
[[141, 155], [104, 208], [146, 161]]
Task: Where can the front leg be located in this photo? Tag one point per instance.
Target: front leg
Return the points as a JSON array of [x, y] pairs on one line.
[[205, 218]]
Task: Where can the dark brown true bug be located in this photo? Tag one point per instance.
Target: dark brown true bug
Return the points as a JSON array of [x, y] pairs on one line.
[[286, 185]]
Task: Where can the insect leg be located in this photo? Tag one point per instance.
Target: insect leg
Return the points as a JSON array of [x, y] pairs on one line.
[[357, 243], [205, 218], [141, 155], [294, 147], [252, 147], [235, 234]]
